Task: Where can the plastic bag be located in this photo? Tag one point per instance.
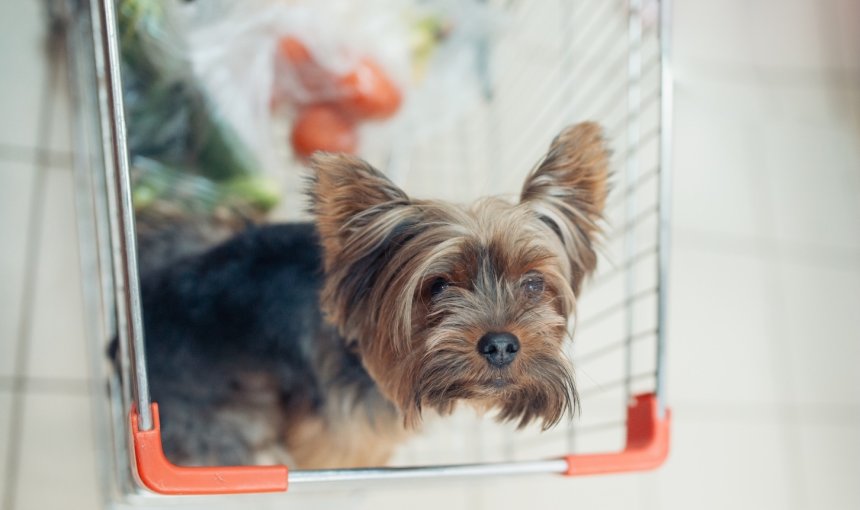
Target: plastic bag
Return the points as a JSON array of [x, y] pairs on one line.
[[171, 119], [329, 67], [223, 97]]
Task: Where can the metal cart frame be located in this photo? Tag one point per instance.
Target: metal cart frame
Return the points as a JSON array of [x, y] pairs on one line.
[[112, 296]]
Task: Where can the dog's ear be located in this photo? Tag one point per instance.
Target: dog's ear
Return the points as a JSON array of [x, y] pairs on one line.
[[567, 190], [364, 221], [347, 194]]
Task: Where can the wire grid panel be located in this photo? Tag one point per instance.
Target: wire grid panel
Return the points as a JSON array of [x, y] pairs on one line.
[[553, 64], [556, 64]]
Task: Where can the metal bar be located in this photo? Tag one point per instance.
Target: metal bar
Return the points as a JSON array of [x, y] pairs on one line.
[[644, 177], [119, 394], [618, 383], [520, 80], [611, 310], [643, 139], [633, 150], [614, 346], [591, 62], [639, 218], [87, 104], [650, 65], [109, 201], [580, 430], [611, 97], [598, 87], [634, 95], [651, 98], [601, 279], [423, 472], [616, 129], [551, 103], [606, 108], [125, 253], [666, 83]]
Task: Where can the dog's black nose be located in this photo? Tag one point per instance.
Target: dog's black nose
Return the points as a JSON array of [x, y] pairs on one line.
[[499, 348]]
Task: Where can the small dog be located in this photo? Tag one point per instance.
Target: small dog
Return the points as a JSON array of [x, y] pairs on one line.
[[319, 345]]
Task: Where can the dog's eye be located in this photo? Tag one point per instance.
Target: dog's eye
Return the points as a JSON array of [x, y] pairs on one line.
[[533, 285], [438, 286]]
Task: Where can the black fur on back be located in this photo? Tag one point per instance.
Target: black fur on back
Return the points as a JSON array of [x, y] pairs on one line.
[[236, 345]]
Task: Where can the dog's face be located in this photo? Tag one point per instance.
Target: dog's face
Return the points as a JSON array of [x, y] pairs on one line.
[[448, 303]]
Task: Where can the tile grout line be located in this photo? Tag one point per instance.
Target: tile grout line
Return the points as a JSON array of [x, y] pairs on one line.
[[714, 70], [46, 385], [25, 322], [768, 248], [775, 288], [52, 159], [806, 413]]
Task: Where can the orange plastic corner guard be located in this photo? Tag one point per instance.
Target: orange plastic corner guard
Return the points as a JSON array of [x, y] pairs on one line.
[[159, 475], [647, 443]]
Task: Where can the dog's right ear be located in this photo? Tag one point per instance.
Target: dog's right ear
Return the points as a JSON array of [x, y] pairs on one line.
[[348, 196], [567, 190]]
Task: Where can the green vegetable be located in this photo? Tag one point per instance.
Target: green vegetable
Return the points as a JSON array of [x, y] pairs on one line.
[[260, 193], [183, 150]]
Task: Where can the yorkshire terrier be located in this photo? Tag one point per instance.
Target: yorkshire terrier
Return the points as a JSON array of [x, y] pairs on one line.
[[319, 345]]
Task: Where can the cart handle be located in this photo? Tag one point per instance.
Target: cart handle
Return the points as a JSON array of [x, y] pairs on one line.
[[647, 448], [159, 475], [647, 445]]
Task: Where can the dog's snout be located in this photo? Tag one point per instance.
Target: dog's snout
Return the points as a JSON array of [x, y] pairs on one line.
[[499, 348]]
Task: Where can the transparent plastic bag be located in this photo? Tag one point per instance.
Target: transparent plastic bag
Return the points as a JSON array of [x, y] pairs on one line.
[[236, 94], [171, 119], [335, 66]]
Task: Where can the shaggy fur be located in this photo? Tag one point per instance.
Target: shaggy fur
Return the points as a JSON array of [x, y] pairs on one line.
[[325, 343]]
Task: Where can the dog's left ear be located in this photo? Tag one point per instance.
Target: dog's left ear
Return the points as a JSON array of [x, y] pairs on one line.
[[347, 194], [568, 192]]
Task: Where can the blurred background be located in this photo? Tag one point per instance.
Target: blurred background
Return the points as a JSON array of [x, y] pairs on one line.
[[763, 330]]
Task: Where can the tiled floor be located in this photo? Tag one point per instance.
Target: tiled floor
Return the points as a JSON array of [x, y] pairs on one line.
[[765, 283]]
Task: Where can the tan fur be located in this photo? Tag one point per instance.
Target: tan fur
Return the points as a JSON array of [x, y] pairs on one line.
[[383, 251], [342, 440], [569, 188]]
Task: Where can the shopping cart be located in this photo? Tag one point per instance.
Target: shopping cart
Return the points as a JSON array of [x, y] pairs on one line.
[[557, 64]]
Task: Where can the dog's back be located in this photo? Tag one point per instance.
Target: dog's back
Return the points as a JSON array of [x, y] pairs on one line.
[[231, 337]]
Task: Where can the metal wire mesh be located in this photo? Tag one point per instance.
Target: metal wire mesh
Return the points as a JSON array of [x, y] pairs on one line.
[[555, 63]]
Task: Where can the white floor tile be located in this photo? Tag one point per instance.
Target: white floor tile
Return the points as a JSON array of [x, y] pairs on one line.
[[605, 492], [58, 348], [718, 348], [821, 330], [423, 496], [59, 136], [812, 181], [715, 155], [57, 467], [847, 18], [792, 33], [854, 104], [701, 31], [723, 465], [817, 101], [734, 133], [21, 57], [16, 182], [831, 464], [5, 406]]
